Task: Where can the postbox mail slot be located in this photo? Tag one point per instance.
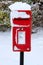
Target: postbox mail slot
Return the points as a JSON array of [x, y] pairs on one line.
[[19, 18], [21, 21]]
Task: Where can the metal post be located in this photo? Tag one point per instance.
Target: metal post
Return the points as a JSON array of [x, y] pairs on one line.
[[21, 58]]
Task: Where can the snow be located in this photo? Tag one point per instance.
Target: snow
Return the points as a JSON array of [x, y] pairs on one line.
[[35, 57], [14, 11], [16, 14], [8, 57], [19, 6]]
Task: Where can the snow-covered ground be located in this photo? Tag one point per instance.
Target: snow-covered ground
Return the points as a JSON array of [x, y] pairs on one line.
[[8, 57]]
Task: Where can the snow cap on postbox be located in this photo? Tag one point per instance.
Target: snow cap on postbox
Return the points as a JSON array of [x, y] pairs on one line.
[[19, 6], [14, 11]]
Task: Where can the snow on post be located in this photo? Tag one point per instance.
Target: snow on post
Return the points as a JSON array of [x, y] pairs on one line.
[[19, 6]]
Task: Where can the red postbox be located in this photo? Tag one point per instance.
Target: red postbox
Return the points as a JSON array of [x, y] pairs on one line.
[[21, 30]]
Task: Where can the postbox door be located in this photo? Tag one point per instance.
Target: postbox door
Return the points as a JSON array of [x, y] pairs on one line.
[[21, 39]]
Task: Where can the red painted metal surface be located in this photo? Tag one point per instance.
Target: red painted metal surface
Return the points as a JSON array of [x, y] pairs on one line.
[[26, 28]]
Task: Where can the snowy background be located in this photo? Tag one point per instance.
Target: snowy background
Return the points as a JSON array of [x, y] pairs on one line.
[[8, 57]]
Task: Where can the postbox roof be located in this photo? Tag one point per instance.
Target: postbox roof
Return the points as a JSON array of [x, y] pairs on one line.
[[19, 6]]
